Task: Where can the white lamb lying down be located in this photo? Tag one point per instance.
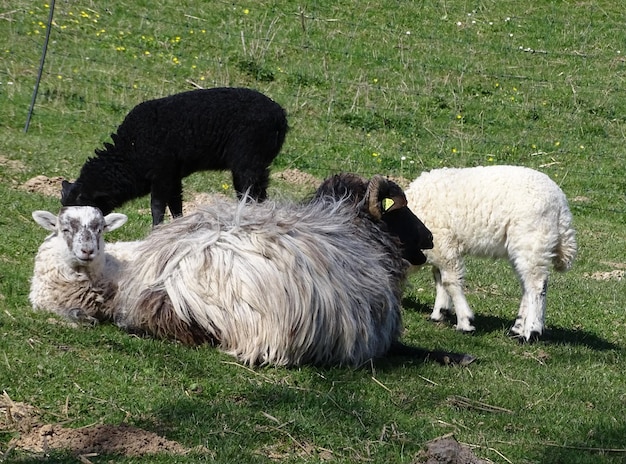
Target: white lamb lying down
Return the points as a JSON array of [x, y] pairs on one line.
[[73, 276], [496, 212]]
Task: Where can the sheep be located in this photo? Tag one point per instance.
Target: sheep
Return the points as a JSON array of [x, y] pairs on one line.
[[162, 141], [73, 276], [495, 212], [317, 283]]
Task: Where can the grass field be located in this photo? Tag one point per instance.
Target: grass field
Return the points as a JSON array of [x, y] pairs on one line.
[[387, 87]]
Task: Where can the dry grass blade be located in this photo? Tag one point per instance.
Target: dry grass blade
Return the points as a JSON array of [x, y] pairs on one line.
[[464, 402]]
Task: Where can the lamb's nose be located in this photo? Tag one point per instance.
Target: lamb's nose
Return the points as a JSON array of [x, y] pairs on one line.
[[87, 251]]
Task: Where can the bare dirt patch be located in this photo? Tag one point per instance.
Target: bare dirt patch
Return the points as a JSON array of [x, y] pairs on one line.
[[199, 199], [36, 437], [49, 186], [100, 439], [297, 177], [616, 274], [13, 165], [446, 450]]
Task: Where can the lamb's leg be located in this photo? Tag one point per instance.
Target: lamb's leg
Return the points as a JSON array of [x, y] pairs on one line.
[[452, 281], [157, 208], [531, 317], [443, 303], [166, 191], [175, 199]]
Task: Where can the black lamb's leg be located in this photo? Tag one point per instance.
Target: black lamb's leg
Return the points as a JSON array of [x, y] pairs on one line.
[[157, 208], [166, 191], [175, 199]]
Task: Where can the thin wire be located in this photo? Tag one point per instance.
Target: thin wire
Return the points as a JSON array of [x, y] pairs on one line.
[[41, 63]]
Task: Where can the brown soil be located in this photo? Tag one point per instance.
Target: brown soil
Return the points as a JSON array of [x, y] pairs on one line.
[[297, 177], [617, 274], [446, 450], [100, 439], [50, 186], [36, 437], [13, 165]]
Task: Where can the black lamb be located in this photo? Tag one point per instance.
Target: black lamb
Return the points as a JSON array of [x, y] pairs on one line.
[[164, 140]]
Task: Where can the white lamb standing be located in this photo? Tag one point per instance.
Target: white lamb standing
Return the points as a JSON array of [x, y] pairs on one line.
[[495, 212]]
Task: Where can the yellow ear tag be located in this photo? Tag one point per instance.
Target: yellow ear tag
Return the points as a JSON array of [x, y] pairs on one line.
[[387, 204]]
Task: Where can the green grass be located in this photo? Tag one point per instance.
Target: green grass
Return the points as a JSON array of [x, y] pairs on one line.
[[388, 87]]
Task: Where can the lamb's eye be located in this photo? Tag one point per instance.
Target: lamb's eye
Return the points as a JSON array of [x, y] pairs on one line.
[[387, 204]]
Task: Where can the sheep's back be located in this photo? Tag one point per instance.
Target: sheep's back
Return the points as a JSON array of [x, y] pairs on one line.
[[189, 126], [480, 210], [282, 285]]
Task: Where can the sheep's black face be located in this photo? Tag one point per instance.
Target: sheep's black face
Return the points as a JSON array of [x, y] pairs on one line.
[[412, 232], [78, 194]]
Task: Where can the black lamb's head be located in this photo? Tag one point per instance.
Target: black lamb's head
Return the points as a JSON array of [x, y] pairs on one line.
[[383, 200], [81, 194]]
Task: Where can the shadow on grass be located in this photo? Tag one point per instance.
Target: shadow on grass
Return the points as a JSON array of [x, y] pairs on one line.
[[606, 445], [552, 335]]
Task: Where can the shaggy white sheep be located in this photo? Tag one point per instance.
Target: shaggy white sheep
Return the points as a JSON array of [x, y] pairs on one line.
[[496, 212], [73, 276], [317, 283]]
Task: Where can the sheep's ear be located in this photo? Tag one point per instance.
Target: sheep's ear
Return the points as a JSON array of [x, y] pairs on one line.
[[114, 221], [45, 219]]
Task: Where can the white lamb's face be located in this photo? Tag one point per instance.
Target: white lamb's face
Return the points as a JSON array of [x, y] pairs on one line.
[[81, 227]]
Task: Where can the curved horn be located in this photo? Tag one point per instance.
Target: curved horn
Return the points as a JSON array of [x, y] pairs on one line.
[[372, 196]]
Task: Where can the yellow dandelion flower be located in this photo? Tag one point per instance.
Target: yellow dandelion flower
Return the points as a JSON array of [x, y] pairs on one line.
[[246, 11], [375, 155], [225, 186], [454, 150], [557, 143]]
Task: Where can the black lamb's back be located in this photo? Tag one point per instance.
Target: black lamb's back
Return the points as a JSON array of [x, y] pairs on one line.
[[190, 125], [164, 140]]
